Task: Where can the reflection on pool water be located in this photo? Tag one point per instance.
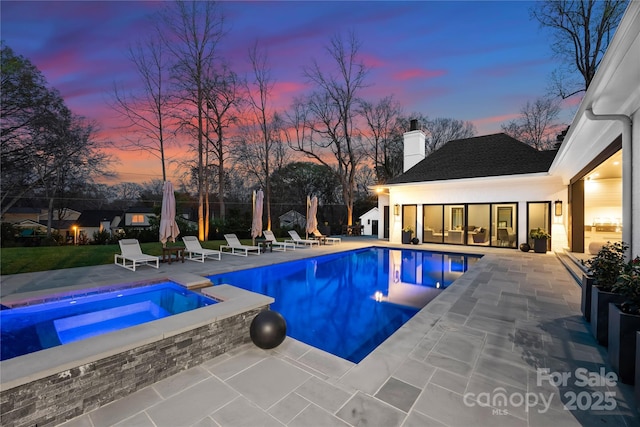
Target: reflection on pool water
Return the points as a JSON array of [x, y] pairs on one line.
[[31, 328], [349, 303]]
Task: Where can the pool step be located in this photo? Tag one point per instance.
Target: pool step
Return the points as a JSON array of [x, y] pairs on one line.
[[190, 281]]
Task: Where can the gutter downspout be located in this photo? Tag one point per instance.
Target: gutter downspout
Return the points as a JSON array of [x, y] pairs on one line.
[[627, 178]]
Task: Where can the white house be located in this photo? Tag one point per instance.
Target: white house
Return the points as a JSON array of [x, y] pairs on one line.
[[491, 191], [369, 221]]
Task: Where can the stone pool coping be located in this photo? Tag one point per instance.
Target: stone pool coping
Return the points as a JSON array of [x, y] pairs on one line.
[[35, 366]]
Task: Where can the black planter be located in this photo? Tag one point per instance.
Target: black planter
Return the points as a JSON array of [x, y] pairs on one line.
[[406, 237], [637, 383], [600, 313], [524, 247], [585, 303], [540, 246], [622, 346]]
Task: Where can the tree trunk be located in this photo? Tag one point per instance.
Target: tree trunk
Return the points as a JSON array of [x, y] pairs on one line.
[[50, 217], [207, 214]]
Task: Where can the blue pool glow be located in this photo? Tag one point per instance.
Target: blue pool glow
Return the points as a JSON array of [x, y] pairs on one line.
[[349, 303], [31, 328]]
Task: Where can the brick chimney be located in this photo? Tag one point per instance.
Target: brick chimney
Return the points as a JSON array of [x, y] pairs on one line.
[[414, 142]]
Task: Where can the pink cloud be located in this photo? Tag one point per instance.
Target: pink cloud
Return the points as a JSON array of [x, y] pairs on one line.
[[417, 73], [495, 119], [372, 61], [574, 101]]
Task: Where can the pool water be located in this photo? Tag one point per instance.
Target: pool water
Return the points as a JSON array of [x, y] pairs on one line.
[[31, 328], [349, 303]]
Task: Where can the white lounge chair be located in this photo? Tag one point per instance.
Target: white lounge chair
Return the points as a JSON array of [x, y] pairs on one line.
[[133, 257], [327, 239], [295, 238], [278, 246], [236, 247], [196, 252]]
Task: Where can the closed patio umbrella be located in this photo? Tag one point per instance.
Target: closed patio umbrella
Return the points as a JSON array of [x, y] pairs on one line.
[[168, 226], [256, 224], [312, 221]]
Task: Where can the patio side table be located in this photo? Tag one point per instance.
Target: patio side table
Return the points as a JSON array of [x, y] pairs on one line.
[[168, 253]]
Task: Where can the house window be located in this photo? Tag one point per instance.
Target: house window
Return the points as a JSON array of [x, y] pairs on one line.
[[409, 217], [137, 219], [506, 230], [479, 224], [457, 218], [432, 217], [539, 216]]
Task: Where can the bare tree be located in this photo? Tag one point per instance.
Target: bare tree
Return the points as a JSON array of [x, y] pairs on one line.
[[259, 89], [223, 96], [581, 31], [443, 129], [332, 116], [191, 31], [536, 126], [249, 151], [383, 128], [147, 112]]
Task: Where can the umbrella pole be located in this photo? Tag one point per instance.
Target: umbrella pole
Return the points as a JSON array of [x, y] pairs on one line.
[[307, 218], [253, 213]]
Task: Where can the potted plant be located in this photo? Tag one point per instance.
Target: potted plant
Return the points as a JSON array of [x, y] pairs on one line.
[[605, 267], [624, 323], [540, 237], [637, 379], [406, 234]]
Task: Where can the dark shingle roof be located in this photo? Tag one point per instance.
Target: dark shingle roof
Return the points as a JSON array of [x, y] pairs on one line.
[[482, 156]]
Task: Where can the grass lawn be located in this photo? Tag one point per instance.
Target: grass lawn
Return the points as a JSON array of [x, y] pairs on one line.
[[27, 260]]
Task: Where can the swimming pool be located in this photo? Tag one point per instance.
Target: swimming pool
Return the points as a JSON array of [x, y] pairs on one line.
[[349, 303], [30, 328]]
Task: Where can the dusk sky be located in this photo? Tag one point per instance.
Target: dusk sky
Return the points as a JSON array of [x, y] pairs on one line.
[[477, 61]]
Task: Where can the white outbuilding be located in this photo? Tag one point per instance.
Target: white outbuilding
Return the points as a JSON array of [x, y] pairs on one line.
[[369, 221]]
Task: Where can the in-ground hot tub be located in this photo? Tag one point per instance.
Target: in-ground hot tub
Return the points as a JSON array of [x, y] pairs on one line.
[[51, 386], [29, 327]]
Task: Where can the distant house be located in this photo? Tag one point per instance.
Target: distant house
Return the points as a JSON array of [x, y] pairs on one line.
[[292, 219], [95, 221], [369, 221], [138, 217], [30, 227], [17, 214]]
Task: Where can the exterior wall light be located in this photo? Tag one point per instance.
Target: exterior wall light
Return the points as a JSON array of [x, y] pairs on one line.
[[558, 207], [396, 209]]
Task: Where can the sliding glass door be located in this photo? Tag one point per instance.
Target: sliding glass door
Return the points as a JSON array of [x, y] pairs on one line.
[[539, 216], [432, 219], [477, 224], [479, 229]]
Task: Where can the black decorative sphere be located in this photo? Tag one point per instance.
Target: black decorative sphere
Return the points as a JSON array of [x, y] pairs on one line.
[[415, 241], [268, 329], [525, 247]]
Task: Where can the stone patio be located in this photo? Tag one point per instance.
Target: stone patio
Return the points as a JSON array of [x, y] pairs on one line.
[[490, 335]]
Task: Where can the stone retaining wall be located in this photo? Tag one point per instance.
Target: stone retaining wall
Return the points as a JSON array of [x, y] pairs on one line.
[[67, 394]]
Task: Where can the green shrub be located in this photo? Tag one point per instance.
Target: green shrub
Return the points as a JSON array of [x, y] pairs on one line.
[[607, 265], [628, 284]]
